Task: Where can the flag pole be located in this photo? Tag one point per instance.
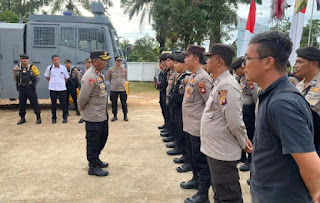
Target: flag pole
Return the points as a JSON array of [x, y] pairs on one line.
[[311, 18]]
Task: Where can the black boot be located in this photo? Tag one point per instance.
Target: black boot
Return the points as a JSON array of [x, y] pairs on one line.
[[184, 168], [114, 117], [168, 139], [162, 126], [191, 184], [22, 120], [38, 119], [102, 164], [125, 117], [94, 169], [171, 145], [65, 120], [175, 151], [200, 196], [179, 160], [78, 113]]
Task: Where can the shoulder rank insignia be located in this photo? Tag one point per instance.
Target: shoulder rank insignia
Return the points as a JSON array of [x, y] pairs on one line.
[[223, 97], [91, 81], [315, 89], [292, 81], [250, 83], [202, 87], [99, 79]]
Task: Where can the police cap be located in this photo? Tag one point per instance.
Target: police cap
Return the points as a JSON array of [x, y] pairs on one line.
[[163, 57], [221, 49], [118, 58], [24, 56], [192, 49], [67, 61], [237, 63], [179, 58], [99, 54], [88, 60], [310, 53]]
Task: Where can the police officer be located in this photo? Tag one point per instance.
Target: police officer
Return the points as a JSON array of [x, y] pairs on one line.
[[223, 133], [27, 77], [118, 77], [249, 91], [160, 86], [195, 96], [87, 64], [92, 102], [308, 67], [291, 76], [72, 84]]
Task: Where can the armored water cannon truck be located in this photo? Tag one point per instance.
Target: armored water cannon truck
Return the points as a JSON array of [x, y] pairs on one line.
[[70, 37]]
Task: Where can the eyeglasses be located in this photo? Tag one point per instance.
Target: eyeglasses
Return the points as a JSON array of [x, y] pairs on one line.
[[249, 58]]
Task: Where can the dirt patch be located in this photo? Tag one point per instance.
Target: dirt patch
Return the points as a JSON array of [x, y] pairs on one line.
[[47, 163]]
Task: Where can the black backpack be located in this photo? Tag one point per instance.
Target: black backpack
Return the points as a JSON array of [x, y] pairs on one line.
[[315, 115]]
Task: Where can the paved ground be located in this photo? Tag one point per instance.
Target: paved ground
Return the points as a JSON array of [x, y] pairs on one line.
[[47, 163]]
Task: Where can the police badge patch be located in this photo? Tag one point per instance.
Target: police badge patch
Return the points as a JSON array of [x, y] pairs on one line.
[[91, 81], [223, 97], [202, 87]]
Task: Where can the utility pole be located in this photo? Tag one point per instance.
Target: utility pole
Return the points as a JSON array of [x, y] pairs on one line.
[[310, 23]]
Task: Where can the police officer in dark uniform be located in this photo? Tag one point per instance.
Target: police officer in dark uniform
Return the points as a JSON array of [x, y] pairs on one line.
[[72, 84], [162, 66], [92, 101], [27, 77]]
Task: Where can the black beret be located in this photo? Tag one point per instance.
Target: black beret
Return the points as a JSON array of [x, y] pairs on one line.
[[170, 56], [310, 53], [192, 49], [24, 56], [237, 63], [67, 61], [118, 58], [99, 54], [221, 49], [163, 57], [179, 58]]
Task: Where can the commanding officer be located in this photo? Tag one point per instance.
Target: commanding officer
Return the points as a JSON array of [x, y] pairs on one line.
[[195, 97], [87, 66], [92, 102], [72, 84], [27, 77], [118, 77], [223, 133], [249, 92], [308, 67], [57, 75]]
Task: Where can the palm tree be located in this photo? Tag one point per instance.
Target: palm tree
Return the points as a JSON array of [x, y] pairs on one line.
[[73, 5]]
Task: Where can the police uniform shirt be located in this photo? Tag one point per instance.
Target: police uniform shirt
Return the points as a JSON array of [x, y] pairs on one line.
[[74, 73], [293, 80], [57, 77], [313, 96], [249, 91], [223, 133], [93, 97], [171, 81], [34, 71], [117, 77], [194, 100]]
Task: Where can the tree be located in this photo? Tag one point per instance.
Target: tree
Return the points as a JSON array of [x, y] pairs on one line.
[[9, 17], [315, 32], [72, 5], [145, 49]]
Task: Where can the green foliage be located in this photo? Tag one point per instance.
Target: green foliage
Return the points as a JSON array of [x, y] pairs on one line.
[[142, 87], [8, 17], [144, 50]]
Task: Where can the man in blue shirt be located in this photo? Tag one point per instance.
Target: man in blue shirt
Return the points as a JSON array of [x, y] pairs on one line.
[[285, 166]]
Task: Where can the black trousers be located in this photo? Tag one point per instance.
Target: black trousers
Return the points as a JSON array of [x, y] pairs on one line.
[[181, 140], [225, 181], [73, 91], [199, 162], [28, 92], [171, 121], [249, 121], [162, 105], [62, 99], [96, 135], [114, 101]]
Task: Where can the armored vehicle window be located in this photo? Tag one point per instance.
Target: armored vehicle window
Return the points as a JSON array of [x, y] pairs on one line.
[[44, 36], [67, 36], [89, 39]]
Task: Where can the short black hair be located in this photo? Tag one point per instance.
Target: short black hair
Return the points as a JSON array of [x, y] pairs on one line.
[[201, 57], [275, 44], [54, 56]]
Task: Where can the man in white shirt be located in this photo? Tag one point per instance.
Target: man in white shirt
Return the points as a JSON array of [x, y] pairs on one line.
[[57, 75]]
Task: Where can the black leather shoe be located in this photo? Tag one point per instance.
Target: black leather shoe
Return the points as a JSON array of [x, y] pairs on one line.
[[114, 118], [81, 120], [168, 139], [97, 172], [102, 164], [175, 151], [248, 181], [54, 121], [184, 168], [165, 134], [164, 131], [191, 184], [38, 121], [65, 120], [245, 167], [22, 121], [171, 145], [78, 113], [125, 117], [200, 197], [162, 126], [179, 160]]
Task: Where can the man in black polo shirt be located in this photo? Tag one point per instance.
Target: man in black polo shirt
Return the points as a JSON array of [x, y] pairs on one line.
[[285, 166]]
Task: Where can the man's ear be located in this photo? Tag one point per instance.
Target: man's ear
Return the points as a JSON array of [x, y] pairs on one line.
[[269, 62]]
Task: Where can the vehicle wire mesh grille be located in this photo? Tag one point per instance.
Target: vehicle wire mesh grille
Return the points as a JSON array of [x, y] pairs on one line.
[[44, 36], [67, 36]]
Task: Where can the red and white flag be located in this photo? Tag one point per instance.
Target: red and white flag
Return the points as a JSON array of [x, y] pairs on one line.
[[249, 28], [296, 30]]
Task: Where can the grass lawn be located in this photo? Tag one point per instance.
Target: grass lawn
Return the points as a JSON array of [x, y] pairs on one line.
[[141, 87]]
